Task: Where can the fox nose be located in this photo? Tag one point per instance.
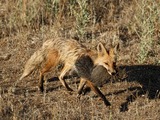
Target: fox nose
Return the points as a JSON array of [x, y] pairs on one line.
[[113, 72]]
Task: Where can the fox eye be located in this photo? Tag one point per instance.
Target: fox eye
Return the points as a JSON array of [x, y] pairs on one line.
[[114, 64], [106, 63]]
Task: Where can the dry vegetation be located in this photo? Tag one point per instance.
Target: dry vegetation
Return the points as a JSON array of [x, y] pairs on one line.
[[135, 24]]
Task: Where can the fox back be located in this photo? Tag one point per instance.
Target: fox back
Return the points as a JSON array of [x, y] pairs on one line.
[[68, 49]]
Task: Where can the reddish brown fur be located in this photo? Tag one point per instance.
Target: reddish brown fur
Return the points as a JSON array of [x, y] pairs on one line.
[[98, 92], [49, 63], [67, 51]]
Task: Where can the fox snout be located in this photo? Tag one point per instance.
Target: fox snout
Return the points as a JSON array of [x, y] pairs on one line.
[[111, 69], [113, 72]]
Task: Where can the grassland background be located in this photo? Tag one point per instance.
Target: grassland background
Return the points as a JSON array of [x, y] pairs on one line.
[[26, 24]]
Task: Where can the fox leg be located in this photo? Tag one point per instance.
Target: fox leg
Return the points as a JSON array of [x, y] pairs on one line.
[[42, 72], [41, 80], [81, 85], [98, 92], [65, 69], [51, 61]]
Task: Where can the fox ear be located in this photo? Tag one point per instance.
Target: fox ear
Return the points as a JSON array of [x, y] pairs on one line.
[[101, 49], [113, 51], [116, 48]]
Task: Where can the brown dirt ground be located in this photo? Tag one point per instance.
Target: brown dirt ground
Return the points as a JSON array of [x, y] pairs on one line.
[[133, 93]]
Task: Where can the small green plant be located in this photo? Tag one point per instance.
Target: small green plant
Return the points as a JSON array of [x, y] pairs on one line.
[[82, 17], [146, 16]]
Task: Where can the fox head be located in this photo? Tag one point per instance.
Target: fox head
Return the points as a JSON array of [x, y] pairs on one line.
[[106, 58]]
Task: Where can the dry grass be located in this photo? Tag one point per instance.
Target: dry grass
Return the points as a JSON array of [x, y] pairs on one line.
[[135, 24]]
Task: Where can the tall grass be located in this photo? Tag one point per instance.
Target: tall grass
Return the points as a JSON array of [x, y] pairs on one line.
[[85, 19], [146, 21], [19, 15], [33, 14], [82, 17]]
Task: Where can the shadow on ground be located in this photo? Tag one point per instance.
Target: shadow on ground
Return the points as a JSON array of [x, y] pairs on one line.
[[149, 78]]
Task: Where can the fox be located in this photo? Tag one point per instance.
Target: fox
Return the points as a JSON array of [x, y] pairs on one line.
[[69, 52]]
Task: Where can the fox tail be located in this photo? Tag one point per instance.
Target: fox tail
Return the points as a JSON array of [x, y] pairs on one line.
[[33, 63]]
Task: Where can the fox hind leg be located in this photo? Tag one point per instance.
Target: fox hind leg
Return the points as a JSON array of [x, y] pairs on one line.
[[52, 60], [41, 80]]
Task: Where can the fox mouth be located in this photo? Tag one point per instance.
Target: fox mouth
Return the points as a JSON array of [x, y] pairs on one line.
[[112, 73], [109, 72]]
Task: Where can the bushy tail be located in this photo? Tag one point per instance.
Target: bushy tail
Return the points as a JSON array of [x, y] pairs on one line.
[[35, 60]]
